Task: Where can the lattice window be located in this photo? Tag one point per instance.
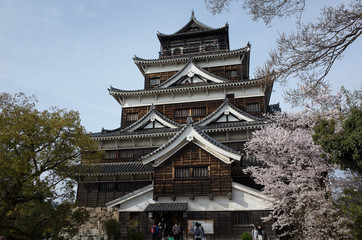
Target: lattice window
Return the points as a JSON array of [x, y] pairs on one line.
[[182, 172], [195, 112], [189, 172], [106, 187], [111, 155], [126, 154], [155, 81], [123, 186], [200, 172], [252, 107], [131, 117], [241, 218], [230, 74]]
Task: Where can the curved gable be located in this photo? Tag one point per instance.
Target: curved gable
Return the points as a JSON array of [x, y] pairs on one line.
[[191, 133], [191, 74], [152, 120], [227, 112]]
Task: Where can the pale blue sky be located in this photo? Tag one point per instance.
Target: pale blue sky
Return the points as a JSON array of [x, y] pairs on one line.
[[69, 52]]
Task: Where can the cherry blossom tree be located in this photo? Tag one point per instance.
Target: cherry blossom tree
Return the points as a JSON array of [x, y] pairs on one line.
[[296, 173]]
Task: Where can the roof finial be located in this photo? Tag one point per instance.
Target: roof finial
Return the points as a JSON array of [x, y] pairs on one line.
[[152, 106], [189, 119], [193, 14]]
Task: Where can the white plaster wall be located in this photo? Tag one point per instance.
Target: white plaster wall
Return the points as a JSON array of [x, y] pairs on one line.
[[241, 201], [192, 96]]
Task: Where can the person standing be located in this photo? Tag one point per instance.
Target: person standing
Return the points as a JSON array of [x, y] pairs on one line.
[[154, 232], [254, 233], [261, 233], [199, 232], [182, 232], [176, 231]]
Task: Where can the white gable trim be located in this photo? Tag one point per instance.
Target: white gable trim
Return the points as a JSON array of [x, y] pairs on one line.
[[244, 199], [189, 72], [150, 118], [225, 110], [189, 135]]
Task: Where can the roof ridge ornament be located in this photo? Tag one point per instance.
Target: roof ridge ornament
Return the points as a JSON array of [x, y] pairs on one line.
[[189, 120], [193, 14], [152, 107]]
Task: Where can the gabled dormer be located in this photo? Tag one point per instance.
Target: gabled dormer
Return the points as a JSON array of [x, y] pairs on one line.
[[192, 164], [190, 133], [152, 120], [227, 113], [194, 37], [191, 74]]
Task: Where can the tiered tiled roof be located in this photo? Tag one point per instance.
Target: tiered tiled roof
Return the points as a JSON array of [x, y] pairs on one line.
[[191, 27], [104, 169], [198, 56]]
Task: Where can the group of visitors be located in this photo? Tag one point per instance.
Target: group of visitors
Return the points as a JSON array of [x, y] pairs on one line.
[[163, 231], [258, 233]]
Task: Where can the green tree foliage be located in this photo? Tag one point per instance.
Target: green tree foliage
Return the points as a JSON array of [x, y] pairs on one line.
[[344, 146], [39, 151], [341, 139], [351, 205]]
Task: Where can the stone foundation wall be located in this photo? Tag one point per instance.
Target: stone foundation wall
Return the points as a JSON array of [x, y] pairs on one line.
[[93, 229]]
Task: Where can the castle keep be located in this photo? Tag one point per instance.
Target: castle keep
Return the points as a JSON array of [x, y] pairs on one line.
[[178, 153]]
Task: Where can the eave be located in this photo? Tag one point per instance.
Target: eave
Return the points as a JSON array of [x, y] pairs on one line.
[[185, 58], [119, 92]]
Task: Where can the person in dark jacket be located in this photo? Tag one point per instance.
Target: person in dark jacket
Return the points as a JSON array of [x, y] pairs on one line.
[[261, 233]]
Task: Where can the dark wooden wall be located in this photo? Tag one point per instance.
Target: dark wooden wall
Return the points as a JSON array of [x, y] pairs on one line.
[[191, 155], [169, 109], [92, 194], [126, 155]]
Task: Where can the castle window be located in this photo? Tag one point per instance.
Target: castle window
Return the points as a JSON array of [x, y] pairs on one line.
[[200, 172], [195, 112], [111, 155], [182, 172], [252, 107], [231, 74], [155, 81], [241, 218], [131, 117], [177, 51], [126, 154], [106, 187], [188, 172]]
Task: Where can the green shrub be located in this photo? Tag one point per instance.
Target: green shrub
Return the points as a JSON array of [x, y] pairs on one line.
[[133, 234], [246, 236], [113, 229]]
